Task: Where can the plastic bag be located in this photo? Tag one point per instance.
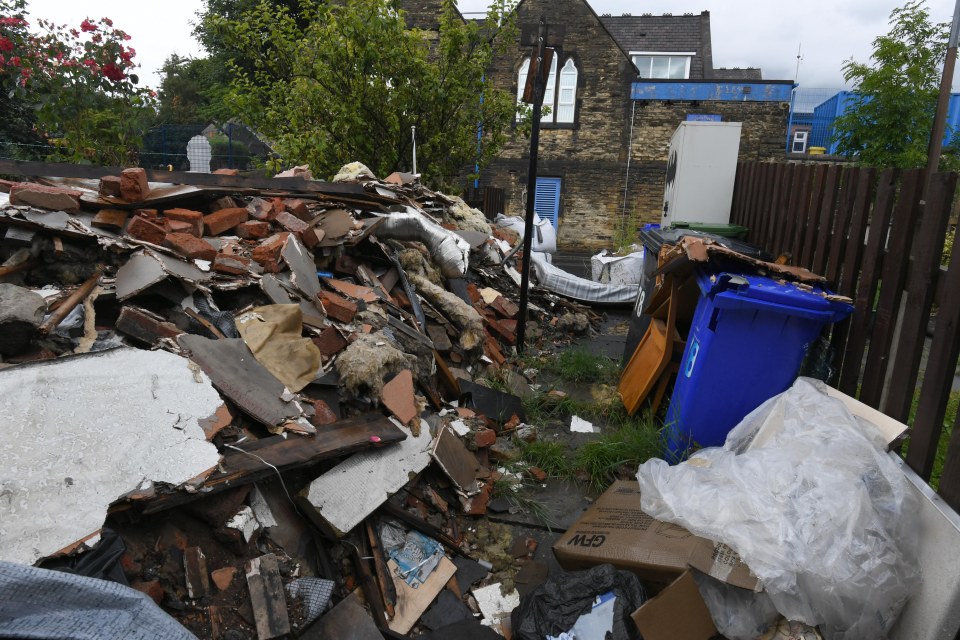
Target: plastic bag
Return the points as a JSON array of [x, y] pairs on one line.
[[812, 503], [554, 607], [738, 614]]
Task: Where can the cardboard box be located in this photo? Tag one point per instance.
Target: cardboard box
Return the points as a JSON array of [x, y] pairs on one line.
[[615, 530], [676, 613]]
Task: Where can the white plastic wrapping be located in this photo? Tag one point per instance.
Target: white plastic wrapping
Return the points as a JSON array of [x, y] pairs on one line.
[[449, 251], [544, 235], [808, 498], [613, 269]]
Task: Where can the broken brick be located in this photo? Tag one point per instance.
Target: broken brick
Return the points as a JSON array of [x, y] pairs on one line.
[[140, 228], [537, 473], [267, 253], [278, 206], [152, 588], [399, 398], [485, 437], [109, 187], [216, 423], [291, 223], [226, 202], [253, 230], [338, 307], [298, 208], [505, 307], [474, 293], [131, 567], [175, 226], [312, 237], [226, 172], [223, 577], [330, 342], [323, 414], [44, 197], [190, 246], [133, 185], [223, 220], [195, 218], [233, 265], [260, 209], [150, 214]]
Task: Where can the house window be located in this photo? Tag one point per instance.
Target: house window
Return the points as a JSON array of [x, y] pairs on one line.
[[666, 66], [546, 201], [799, 142], [560, 95]]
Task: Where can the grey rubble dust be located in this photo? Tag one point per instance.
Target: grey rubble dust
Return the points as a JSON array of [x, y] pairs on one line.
[[365, 363], [460, 313]]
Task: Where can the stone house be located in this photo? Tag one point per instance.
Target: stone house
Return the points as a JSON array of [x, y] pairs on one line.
[[618, 88]]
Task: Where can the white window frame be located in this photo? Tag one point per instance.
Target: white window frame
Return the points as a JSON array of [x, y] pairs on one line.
[[553, 93], [687, 55], [803, 137]]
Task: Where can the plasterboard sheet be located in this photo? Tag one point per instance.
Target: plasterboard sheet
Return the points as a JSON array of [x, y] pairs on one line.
[[352, 490], [80, 432]]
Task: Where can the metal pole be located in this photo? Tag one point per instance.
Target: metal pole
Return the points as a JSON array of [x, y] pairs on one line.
[[946, 81], [532, 187], [413, 135]]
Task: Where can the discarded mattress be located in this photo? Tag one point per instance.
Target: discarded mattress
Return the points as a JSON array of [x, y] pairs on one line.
[[571, 286]]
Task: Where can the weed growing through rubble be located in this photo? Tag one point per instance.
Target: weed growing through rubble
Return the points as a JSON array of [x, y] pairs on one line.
[[551, 457], [635, 440], [516, 492], [579, 365]]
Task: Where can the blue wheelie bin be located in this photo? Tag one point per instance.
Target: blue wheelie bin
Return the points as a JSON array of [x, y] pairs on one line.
[[746, 344]]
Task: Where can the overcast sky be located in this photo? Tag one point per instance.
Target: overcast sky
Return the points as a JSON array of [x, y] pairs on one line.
[[746, 33]]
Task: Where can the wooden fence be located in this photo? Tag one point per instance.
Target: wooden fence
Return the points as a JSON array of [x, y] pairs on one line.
[[872, 235]]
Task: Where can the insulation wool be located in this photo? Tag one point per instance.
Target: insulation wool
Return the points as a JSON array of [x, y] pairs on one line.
[[466, 217], [460, 313], [365, 363], [353, 172]]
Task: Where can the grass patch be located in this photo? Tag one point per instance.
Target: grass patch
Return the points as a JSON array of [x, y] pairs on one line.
[[579, 365], [551, 457], [953, 404], [635, 441]]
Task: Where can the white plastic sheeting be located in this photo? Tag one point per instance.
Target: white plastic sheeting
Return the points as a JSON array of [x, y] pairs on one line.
[[544, 235], [808, 497], [607, 268]]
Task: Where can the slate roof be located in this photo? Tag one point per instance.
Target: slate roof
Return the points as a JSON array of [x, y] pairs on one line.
[[747, 73], [655, 33]]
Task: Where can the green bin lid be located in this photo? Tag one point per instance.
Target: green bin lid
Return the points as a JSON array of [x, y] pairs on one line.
[[716, 228]]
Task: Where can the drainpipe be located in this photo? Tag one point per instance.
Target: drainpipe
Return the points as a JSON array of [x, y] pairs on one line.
[[793, 102], [626, 181], [413, 135]]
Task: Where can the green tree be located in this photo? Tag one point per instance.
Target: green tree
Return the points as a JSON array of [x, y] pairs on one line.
[[79, 84], [889, 121], [351, 84]]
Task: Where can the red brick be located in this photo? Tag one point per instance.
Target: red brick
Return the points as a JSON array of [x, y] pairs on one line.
[[220, 221], [537, 473], [485, 437], [140, 228], [131, 568], [253, 230], [195, 218], [233, 265], [151, 588], [312, 237], [260, 209], [110, 186], [338, 307], [323, 414], [133, 185], [190, 246], [150, 214], [44, 197], [277, 205], [330, 342], [291, 223], [298, 208], [267, 253], [226, 172], [113, 219], [226, 202], [175, 226]]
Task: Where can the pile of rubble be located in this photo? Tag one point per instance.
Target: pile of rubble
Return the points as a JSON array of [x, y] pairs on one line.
[[254, 405]]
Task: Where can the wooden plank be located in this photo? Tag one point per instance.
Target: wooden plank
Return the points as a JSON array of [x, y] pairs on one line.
[[764, 210], [891, 288], [412, 603], [256, 460], [867, 285], [937, 383], [736, 206], [786, 177], [777, 187], [267, 597], [925, 263], [811, 218], [768, 177], [746, 195], [828, 208], [841, 229], [756, 212], [799, 191], [950, 479]]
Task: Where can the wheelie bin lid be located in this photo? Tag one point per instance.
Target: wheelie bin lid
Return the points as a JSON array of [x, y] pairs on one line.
[[732, 290], [723, 229], [654, 238]]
